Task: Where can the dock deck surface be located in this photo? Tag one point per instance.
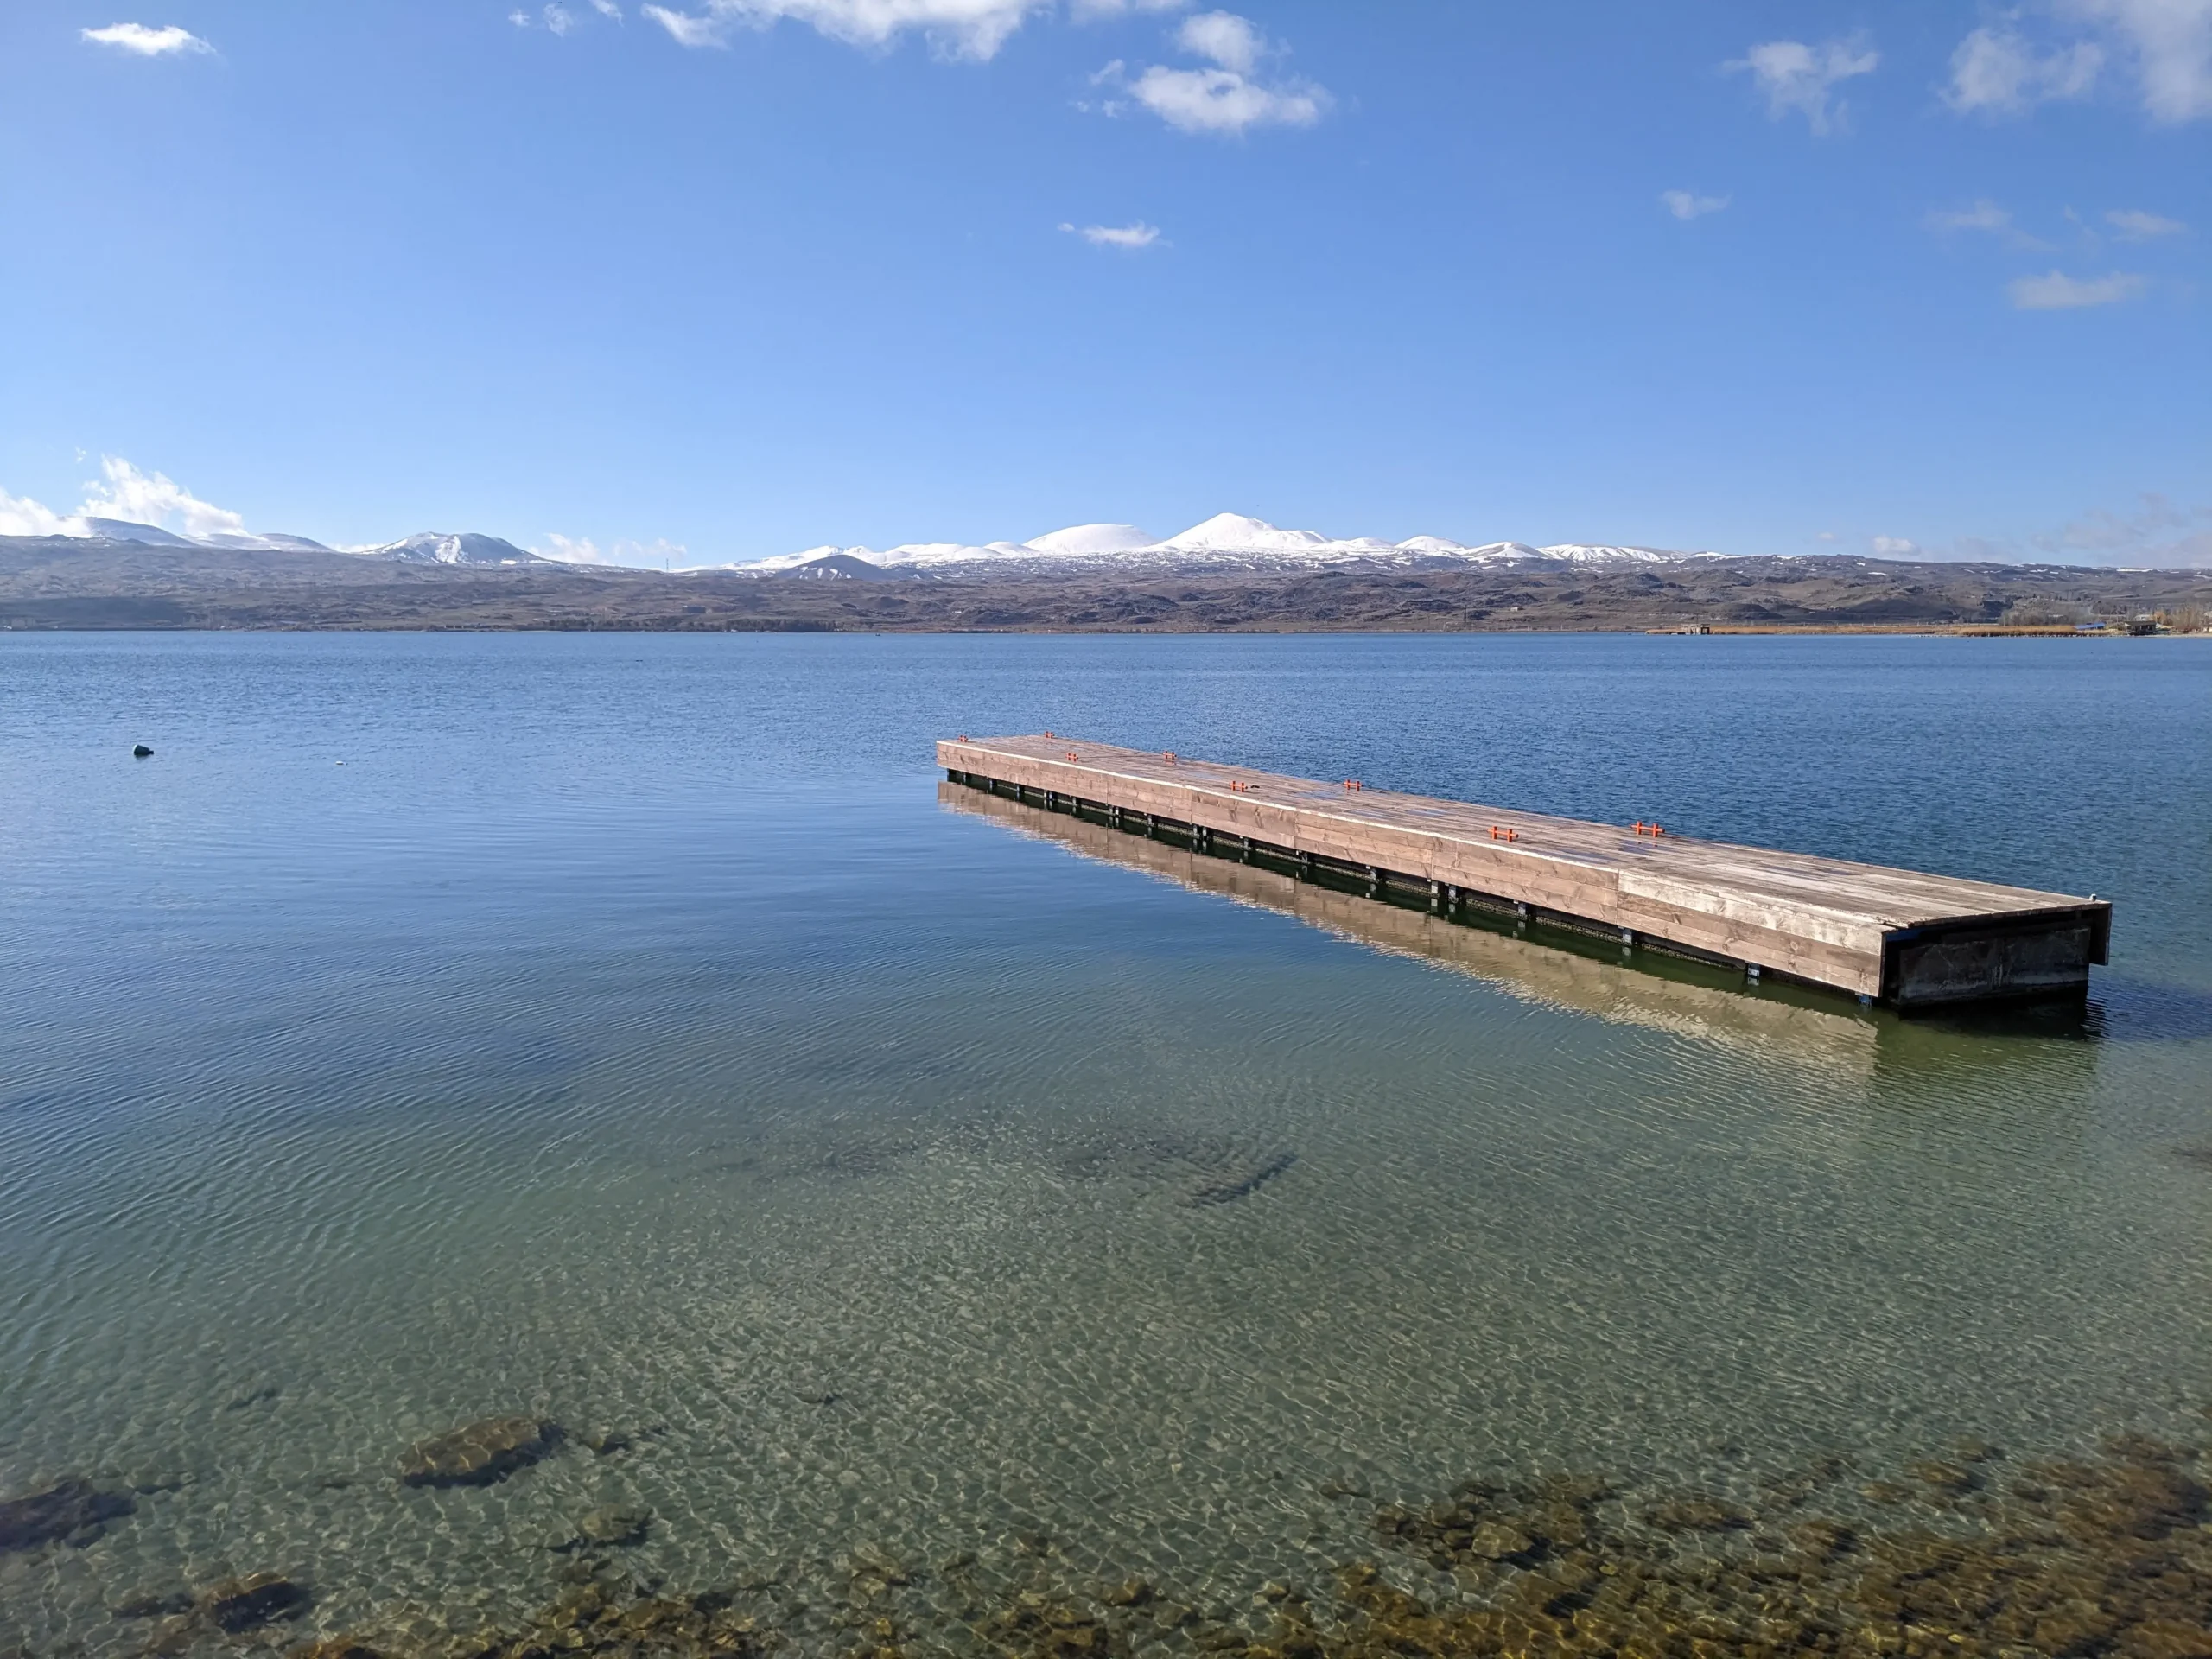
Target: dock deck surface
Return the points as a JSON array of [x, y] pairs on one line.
[[1898, 936]]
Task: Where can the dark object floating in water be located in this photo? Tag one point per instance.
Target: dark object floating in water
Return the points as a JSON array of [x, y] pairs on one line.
[[480, 1453], [258, 1397], [140, 751], [1234, 1184], [2200, 1157], [71, 1510]]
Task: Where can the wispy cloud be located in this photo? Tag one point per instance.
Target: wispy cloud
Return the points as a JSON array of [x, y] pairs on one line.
[[1996, 71], [2130, 225], [1131, 237], [2056, 291], [21, 516], [1683, 204], [1797, 77], [561, 19], [2158, 534], [153, 498], [959, 28], [1984, 215], [581, 550], [1088, 11], [121, 491], [2169, 44], [1234, 42], [1230, 97], [142, 41], [1895, 547]]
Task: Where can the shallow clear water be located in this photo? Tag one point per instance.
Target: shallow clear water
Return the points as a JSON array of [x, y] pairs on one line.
[[629, 1030]]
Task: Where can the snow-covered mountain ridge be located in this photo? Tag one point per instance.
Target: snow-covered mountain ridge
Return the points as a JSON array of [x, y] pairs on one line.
[[1225, 539], [424, 547]]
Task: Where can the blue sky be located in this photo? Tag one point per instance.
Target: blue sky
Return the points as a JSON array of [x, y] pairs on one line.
[[727, 278]]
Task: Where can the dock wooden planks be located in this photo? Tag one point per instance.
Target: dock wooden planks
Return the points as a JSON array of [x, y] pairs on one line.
[[1899, 937]]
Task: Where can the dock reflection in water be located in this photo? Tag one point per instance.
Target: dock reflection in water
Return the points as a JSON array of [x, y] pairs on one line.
[[1657, 993]]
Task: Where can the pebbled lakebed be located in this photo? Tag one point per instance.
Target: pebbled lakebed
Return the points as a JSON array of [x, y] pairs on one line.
[[538, 1143]]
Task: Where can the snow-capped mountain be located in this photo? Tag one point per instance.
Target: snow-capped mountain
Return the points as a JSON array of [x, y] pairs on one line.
[[427, 547], [120, 530], [450, 547], [1227, 539]]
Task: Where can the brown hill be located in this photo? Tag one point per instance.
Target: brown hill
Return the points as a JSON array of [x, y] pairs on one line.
[[59, 583]]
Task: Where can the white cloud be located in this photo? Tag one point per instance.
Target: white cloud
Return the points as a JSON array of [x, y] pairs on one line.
[[1221, 101], [607, 8], [21, 516], [520, 19], [559, 19], [1996, 71], [2171, 44], [1796, 76], [1984, 215], [2158, 535], [1234, 42], [145, 42], [2133, 225], [1087, 11], [1131, 237], [2167, 44], [122, 492], [961, 28], [1683, 205], [581, 550], [1895, 547], [2059, 292], [1228, 98], [153, 498]]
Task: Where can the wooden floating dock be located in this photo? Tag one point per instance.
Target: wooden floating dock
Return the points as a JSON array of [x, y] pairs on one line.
[[1910, 940]]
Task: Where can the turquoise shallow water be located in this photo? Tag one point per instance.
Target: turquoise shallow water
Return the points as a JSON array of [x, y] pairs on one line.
[[631, 1031]]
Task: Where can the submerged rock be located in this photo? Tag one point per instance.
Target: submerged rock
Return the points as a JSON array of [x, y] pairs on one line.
[[256, 1598], [874, 1561], [1698, 1514], [478, 1453], [154, 1605], [1240, 1181], [616, 1525], [230, 1606], [333, 1647], [73, 1509]]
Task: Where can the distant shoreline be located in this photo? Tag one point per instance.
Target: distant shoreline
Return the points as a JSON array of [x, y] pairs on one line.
[[57, 586]]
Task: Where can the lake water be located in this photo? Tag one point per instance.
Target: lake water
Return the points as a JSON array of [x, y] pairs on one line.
[[632, 1031]]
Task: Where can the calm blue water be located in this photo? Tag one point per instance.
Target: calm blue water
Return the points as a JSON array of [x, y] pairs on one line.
[[624, 1030]]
